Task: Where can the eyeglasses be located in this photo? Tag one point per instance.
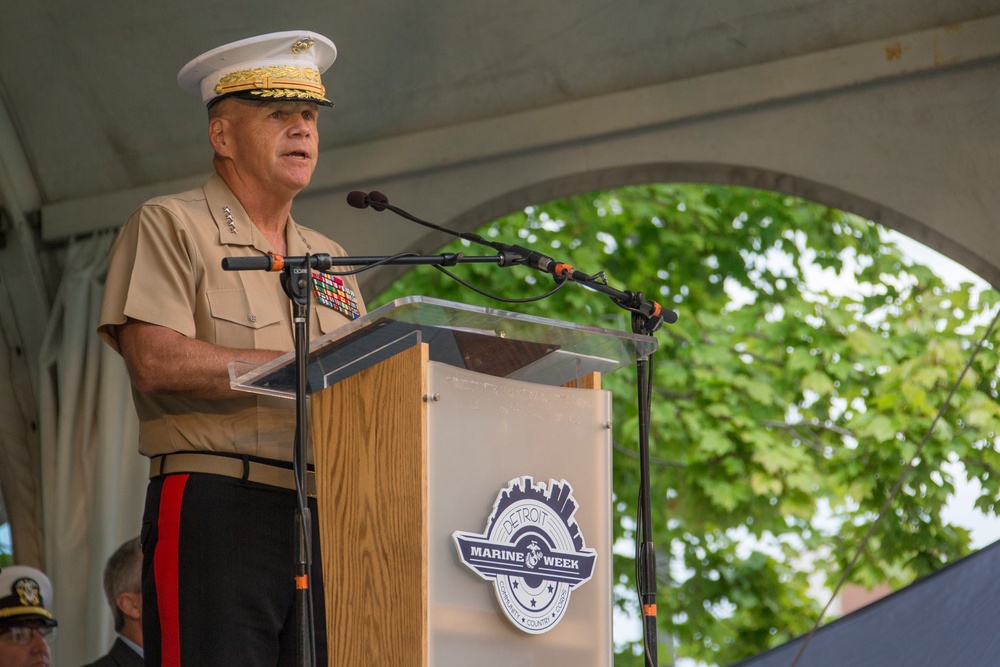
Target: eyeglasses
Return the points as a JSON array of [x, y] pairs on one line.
[[21, 634]]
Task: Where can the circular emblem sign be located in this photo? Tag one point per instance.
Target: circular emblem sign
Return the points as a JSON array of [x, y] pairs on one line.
[[532, 551]]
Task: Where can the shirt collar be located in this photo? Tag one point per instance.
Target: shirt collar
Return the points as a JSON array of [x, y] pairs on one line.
[[232, 221], [235, 226], [132, 645]]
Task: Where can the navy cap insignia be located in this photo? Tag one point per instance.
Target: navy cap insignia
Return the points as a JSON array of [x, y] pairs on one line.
[[28, 592]]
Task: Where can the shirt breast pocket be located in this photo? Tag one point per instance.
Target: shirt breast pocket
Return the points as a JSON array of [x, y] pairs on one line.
[[242, 321], [328, 318]]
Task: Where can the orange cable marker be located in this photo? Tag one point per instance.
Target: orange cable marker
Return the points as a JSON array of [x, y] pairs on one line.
[[277, 261], [649, 610], [563, 269], [302, 582]]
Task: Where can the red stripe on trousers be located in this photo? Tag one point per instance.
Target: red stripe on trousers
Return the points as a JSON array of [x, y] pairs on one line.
[[165, 565]]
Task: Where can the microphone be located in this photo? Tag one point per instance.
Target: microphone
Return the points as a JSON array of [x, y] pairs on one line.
[[378, 200], [357, 199], [375, 199]]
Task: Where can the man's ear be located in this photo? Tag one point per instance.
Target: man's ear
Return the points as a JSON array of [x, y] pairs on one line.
[[218, 135], [130, 604]]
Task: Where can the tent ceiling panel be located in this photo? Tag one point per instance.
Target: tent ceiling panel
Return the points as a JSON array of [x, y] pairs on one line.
[[90, 87]]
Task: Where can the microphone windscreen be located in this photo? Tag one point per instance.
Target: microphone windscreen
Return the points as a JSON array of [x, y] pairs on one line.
[[377, 200], [357, 199]]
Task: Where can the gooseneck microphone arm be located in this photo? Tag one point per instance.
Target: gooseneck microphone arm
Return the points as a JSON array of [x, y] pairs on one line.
[[650, 314], [510, 255], [379, 202]]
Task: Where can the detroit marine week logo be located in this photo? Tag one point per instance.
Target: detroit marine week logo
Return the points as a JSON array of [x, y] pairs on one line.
[[532, 551]]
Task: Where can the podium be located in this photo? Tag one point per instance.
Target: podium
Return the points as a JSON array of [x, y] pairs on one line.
[[463, 468]]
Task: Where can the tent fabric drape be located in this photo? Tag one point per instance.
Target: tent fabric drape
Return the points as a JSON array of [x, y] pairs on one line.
[[19, 459], [93, 478]]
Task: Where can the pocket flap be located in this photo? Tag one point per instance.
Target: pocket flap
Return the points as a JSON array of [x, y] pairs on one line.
[[238, 307]]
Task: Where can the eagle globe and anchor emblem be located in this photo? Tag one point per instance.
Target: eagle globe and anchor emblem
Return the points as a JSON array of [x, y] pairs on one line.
[[532, 551]]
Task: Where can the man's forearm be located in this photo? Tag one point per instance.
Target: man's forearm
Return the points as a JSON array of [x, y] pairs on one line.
[[162, 361]]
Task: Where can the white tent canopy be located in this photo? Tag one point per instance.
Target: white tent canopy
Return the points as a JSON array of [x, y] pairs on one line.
[[460, 112]]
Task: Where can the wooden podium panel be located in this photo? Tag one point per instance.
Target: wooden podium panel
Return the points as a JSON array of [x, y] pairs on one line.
[[369, 435]]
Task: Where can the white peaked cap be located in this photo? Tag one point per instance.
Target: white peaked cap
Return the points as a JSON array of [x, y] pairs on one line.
[[25, 594], [279, 65]]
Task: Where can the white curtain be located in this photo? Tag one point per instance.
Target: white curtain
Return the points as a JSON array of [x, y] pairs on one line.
[[19, 450], [93, 477]]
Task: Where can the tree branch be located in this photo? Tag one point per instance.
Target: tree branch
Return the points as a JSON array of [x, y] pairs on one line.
[[653, 461], [827, 427], [674, 396], [981, 464], [757, 357]]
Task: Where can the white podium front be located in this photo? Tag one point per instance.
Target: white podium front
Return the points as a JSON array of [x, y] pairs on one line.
[[484, 433]]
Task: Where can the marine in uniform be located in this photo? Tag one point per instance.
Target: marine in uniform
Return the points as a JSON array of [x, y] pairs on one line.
[[218, 529]]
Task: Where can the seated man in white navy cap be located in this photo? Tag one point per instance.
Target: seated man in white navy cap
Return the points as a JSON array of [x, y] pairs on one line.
[[26, 624], [218, 530]]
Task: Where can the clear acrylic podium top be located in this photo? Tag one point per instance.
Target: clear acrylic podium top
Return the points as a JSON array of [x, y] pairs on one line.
[[486, 340]]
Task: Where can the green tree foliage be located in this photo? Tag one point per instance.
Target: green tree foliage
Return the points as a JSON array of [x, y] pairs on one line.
[[783, 413]]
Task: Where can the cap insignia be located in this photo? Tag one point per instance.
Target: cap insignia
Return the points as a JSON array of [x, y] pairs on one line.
[[303, 44], [28, 592]]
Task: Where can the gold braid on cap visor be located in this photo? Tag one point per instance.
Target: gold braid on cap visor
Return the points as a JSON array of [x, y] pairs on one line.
[[279, 82], [14, 612]]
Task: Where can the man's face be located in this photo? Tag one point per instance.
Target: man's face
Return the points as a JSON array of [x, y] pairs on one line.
[[275, 143], [21, 645]]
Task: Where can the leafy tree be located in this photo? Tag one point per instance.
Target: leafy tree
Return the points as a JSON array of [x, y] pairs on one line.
[[6, 558], [785, 409]]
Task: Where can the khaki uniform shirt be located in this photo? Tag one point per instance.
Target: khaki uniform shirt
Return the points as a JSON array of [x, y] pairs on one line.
[[165, 268]]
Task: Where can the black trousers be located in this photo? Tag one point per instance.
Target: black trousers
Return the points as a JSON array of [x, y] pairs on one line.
[[219, 564]]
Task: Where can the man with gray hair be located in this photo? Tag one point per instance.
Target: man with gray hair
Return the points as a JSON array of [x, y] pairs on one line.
[[123, 588]]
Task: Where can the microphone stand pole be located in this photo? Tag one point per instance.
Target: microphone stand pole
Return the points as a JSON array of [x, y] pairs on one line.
[[645, 550], [647, 317], [296, 280]]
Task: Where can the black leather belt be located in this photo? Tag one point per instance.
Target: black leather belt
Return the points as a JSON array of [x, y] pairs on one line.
[[228, 466]]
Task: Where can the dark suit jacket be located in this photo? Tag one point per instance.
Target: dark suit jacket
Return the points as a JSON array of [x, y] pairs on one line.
[[120, 655]]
